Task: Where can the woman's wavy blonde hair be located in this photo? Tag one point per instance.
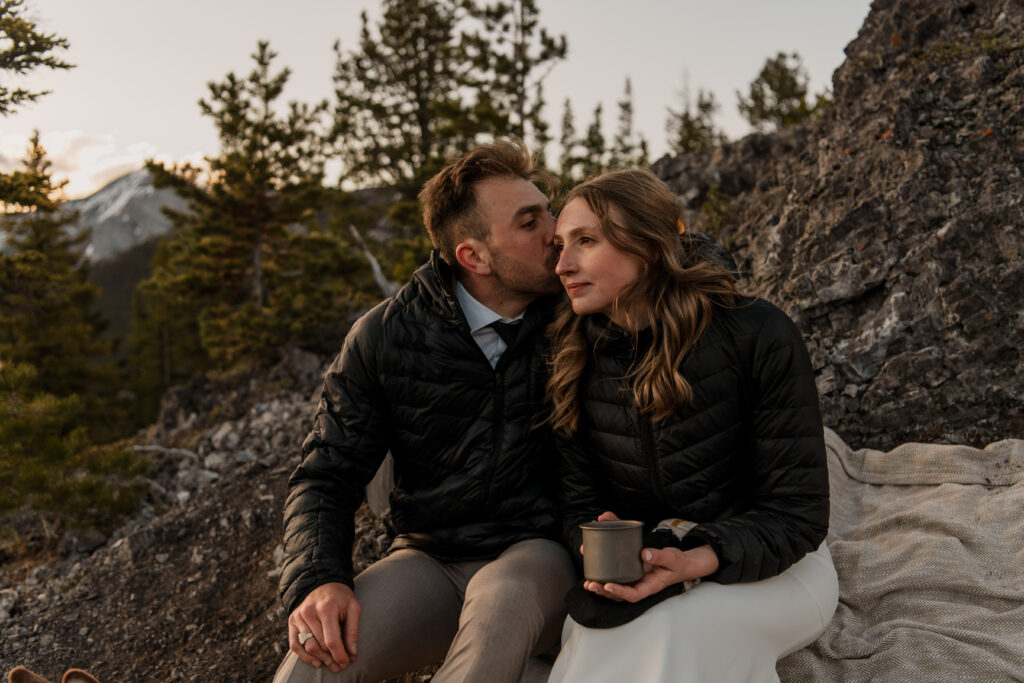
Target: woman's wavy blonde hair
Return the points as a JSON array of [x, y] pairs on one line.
[[673, 295]]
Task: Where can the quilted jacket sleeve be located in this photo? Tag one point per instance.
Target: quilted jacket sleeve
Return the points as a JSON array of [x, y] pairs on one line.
[[579, 499], [340, 455], [788, 510]]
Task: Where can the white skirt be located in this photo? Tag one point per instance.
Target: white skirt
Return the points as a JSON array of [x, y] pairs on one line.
[[713, 633]]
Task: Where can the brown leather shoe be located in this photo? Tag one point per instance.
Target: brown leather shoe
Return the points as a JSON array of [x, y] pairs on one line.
[[20, 674], [78, 676]]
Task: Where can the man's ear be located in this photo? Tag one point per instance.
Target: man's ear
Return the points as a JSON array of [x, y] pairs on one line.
[[474, 256]]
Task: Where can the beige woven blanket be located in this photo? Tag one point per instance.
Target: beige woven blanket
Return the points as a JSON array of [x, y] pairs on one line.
[[928, 541]]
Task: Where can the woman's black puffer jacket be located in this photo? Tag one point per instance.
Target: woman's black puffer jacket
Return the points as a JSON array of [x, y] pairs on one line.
[[745, 459], [474, 473]]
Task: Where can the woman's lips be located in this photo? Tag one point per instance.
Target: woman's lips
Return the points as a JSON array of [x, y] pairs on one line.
[[574, 287]]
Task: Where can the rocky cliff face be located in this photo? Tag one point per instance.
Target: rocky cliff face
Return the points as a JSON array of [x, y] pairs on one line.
[[891, 229]]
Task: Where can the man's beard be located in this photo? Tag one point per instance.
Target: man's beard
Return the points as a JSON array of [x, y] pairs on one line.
[[531, 281]]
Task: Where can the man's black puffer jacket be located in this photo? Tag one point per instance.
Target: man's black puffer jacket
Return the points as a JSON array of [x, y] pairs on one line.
[[473, 471], [745, 458]]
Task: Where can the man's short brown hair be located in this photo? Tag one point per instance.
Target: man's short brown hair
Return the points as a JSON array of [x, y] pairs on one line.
[[449, 205]]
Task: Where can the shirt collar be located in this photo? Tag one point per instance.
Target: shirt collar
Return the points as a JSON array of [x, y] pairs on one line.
[[478, 316]]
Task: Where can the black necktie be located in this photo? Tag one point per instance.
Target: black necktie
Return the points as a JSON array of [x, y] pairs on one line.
[[507, 331]]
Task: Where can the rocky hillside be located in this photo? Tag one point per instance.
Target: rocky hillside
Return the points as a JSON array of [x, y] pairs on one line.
[[188, 590], [890, 230]]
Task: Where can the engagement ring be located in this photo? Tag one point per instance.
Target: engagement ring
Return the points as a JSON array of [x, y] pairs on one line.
[[303, 637]]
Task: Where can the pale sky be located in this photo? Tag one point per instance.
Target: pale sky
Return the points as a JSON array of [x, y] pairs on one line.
[[143, 64]]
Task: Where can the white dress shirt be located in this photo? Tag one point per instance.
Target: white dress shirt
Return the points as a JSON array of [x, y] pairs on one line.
[[479, 318]]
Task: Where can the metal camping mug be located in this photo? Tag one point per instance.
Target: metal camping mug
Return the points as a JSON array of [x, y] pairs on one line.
[[611, 551]]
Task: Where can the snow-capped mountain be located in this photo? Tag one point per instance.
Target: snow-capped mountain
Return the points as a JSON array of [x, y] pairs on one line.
[[124, 214]]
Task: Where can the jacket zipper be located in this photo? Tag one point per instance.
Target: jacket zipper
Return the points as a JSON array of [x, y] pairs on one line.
[[647, 446], [499, 428]]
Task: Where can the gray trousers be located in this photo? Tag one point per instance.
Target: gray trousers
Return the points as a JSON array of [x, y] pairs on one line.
[[489, 620]]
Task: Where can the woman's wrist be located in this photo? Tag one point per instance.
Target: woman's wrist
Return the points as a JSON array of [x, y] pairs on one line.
[[704, 561]]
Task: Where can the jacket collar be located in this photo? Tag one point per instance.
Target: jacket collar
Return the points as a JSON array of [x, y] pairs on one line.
[[435, 281], [602, 333]]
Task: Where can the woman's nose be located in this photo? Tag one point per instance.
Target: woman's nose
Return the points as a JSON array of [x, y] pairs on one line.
[[564, 264]]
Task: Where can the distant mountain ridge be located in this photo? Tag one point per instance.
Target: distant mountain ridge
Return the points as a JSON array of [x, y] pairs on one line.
[[124, 214], [126, 220]]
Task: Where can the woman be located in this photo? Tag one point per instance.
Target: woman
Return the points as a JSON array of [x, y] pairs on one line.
[[680, 402]]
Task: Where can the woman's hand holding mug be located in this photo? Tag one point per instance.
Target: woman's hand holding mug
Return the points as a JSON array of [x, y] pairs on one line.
[[662, 568]]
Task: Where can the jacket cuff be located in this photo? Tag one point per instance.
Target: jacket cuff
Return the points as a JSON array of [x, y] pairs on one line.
[[701, 535], [300, 588]]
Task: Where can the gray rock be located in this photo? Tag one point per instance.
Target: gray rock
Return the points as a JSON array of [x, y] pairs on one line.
[[215, 461], [225, 438], [8, 597], [80, 542]]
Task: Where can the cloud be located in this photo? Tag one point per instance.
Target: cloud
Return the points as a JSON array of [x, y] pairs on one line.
[[86, 161]]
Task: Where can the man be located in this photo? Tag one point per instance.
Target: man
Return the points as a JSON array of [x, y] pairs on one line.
[[449, 376]]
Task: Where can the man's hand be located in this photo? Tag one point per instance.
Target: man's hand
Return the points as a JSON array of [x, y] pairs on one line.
[[323, 613], [662, 568]]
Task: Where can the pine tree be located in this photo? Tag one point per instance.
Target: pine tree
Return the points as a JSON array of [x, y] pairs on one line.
[[239, 258], [540, 137], [398, 110], [164, 343], [56, 392], [628, 149], [514, 55], [38, 435], [48, 464], [23, 276], [691, 129], [403, 106], [592, 160], [568, 160], [22, 49], [48, 318], [778, 96]]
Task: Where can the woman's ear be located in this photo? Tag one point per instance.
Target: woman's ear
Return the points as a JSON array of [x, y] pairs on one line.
[[474, 256]]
